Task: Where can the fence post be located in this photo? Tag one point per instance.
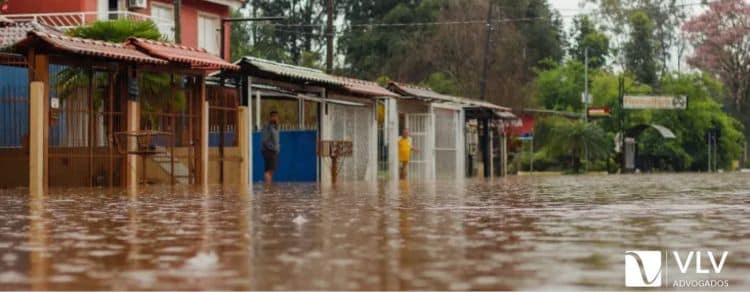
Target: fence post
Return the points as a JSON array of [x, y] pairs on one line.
[[203, 144], [38, 123], [243, 117], [36, 137]]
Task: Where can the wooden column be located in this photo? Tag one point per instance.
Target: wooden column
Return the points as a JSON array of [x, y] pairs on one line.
[[202, 147], [38, 123], [132, 124], [243, 132]]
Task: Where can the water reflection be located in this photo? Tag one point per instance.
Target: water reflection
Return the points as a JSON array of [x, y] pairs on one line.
[[517, 233]]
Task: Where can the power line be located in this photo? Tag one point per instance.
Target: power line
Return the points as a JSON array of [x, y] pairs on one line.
[[322, 26]]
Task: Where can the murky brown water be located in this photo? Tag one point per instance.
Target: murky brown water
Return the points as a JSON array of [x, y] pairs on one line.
[[517, 233]]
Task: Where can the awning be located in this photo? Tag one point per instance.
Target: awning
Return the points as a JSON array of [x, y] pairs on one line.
[[431, 96], [288, 71], [12, 32], [363, 87], [196, 58], [665, 132], [87, 47]]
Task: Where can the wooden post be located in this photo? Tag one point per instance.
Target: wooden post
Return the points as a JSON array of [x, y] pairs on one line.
[[38, 123], [203, 138], [243, 117], [36, 137], [132, 121]]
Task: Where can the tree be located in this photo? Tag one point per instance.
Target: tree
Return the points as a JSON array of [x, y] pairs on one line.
[[161, 91], [240, 38], [287, 42], [666, 15], [588, 36], [721, 37], [568, 140], [639, 50]]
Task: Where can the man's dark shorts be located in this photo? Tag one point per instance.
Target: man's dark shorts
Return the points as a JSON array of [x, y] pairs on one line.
[[271, 159]]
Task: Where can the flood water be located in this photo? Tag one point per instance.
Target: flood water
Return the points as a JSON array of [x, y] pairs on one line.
[[514, 233]]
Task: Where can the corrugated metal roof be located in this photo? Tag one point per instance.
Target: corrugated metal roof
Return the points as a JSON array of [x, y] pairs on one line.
[[196, 58], [365, 87], [89, 47], [290, 71], [429, 95]]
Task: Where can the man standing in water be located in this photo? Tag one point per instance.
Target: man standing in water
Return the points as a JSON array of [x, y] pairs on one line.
[[404, 152], [270, 146]]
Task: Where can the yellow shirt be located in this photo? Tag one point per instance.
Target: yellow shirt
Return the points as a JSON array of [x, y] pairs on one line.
[[404, 149]]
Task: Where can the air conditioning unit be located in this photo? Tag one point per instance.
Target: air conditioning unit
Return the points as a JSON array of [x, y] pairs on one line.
[[137, 4]]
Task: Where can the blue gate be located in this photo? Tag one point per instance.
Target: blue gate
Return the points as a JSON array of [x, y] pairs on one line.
[[298, 161]]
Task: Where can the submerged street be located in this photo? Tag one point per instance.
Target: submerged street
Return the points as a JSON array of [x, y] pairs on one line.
[[515, 233]]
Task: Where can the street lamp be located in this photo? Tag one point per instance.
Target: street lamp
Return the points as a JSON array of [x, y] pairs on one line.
[[224, 21]]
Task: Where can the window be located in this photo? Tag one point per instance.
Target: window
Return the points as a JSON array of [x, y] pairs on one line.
[[164, 18], [208, 33]]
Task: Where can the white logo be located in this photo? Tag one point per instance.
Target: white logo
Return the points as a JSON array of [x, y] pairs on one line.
[[643, 268]]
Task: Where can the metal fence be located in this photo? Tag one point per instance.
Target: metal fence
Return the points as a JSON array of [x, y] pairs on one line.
[[14, 121], [224, 157], [83, 120]]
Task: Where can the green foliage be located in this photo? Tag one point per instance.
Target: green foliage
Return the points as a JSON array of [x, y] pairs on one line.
[[639, 50], [586, 35], [567, 141], [117, 31], [559, 88], [159, 91], [442, 83]]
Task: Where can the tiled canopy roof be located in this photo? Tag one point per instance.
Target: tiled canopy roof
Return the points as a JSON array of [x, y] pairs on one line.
[[13, 32], [25, 35], [88, 47], [364, 87], [196, 58]]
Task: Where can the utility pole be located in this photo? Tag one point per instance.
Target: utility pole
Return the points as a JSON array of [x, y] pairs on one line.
[[586, 86], [177, 25], [486, 62], [329, 36], [586, 107]]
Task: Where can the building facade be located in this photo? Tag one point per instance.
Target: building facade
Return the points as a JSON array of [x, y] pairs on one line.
[[200, 20]]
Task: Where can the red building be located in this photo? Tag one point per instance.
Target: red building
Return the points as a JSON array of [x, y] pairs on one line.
[[199, 19]]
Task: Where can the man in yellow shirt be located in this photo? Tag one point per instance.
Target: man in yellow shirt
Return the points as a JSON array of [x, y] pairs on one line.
[[404, 152]]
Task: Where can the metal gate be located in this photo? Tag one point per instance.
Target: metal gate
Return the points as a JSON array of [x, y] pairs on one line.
[[420, 128], [176, 114], [224, 154], [446, 123], [14, 125], [354, 123], [83, 119]]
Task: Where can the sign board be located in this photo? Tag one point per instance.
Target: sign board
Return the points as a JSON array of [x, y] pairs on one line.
[[587, 99], [655, 102], [54, 103], [599, 112]]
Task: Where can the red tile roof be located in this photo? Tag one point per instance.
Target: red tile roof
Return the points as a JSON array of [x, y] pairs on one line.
[[89, 47], [196, 58], [365, 87]]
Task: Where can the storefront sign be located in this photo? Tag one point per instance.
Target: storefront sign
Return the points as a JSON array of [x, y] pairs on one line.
[[655, 102]]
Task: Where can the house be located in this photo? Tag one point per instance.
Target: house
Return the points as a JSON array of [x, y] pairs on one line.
[[109, 129], [315, 108], [200, 20], [438, 126]]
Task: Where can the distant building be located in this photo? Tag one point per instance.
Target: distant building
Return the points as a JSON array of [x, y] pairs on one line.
[[199, 19]]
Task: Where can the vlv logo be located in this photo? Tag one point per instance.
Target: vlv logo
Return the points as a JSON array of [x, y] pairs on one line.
[[685, 264], [643, 268]]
